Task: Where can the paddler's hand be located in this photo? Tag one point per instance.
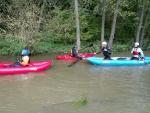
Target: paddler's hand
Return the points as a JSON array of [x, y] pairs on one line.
[[18, 59], [142, 58]]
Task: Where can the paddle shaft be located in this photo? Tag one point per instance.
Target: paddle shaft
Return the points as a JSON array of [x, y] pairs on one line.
[[73, 63], [86, 47]]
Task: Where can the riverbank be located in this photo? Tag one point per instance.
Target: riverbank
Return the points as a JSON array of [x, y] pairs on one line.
[[51, 48]]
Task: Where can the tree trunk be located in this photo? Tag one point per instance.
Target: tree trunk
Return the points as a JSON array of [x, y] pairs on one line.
[[114, 23], [143, 30], [41, 14], [77, 24], [141, 21], [103, 22]]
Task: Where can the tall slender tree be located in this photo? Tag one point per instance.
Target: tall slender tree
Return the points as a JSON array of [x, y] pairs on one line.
[[103, 21], [77, 24], [141, 21], [145, 24], [41, 15], [114, 24]]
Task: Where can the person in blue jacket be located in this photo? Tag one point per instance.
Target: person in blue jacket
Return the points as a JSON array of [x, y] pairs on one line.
[[106, 51]]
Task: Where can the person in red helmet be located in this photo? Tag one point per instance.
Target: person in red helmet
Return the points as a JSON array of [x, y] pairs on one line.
[[137, 52]]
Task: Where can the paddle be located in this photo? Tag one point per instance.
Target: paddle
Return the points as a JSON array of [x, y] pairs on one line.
[[73, 63], [91, 45]]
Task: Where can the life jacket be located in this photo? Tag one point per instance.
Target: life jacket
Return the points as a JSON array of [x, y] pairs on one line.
[[135, 52], [71, 52], [108, 52], [25, 63]]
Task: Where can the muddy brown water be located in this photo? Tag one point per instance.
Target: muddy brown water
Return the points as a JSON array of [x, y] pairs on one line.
[[112, 89]]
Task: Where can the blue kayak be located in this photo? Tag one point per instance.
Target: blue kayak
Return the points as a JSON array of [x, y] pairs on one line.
[[120, 62], [147, 58]]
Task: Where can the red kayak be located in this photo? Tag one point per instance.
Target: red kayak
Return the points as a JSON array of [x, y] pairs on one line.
[[32, 67], [69, 57]]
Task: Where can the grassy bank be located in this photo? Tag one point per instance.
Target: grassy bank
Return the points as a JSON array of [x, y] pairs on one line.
[[13, 47]]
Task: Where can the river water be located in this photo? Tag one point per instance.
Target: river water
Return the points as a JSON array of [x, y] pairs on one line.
[[112, 89]]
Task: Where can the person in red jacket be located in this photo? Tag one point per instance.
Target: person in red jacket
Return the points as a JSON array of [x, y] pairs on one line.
[[137, 52]]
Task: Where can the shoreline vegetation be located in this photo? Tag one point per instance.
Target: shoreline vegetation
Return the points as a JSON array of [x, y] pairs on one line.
[[13, 48], [49, 27]]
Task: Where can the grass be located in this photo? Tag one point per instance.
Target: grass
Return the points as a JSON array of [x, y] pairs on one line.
[[79, 103]]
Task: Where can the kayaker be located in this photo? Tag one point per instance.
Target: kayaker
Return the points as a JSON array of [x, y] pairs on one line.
[[137, 52], [74, 52], [106, 51], [24, 60]]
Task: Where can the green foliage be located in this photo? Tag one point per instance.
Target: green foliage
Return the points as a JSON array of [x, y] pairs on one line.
[[89, 28], [62, 26], [53, 29], [146, 44], [50, 48], [120, 47], [10, 46]]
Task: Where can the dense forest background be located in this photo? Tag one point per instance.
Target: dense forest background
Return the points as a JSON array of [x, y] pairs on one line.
[[49, 26]]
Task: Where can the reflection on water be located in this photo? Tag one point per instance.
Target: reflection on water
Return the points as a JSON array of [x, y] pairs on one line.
[[118, 89]]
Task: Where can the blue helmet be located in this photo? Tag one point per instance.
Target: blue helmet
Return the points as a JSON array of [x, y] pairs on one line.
[[25, 52]]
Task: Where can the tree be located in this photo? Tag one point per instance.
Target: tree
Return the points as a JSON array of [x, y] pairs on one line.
[[41, 15], [103, 21], [141, 21], [145, 24], [77, 24], [114, 24]]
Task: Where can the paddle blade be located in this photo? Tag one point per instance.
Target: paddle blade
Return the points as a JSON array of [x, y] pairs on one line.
[[91, 45], [73, 63]]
